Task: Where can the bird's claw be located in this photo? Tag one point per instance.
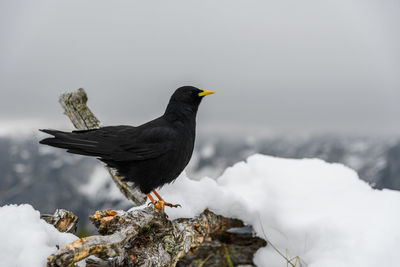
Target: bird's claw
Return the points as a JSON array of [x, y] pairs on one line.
[[160, 205], [173, 205]]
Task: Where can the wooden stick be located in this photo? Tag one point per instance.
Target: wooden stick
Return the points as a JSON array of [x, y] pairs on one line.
[[63, 220]]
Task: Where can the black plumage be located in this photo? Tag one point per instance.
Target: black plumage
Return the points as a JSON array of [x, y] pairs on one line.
[[149, 155]]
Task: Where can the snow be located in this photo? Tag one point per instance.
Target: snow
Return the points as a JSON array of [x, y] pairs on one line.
[[319, 211], [25, 239]]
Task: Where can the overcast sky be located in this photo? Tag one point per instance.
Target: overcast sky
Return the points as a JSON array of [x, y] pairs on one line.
[[322, 66]]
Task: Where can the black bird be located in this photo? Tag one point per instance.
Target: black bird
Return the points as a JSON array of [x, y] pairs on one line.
[[149, 155]]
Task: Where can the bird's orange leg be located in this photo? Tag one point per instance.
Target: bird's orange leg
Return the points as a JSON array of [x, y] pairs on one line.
[[151, 198], [159, 205], [164, 203]]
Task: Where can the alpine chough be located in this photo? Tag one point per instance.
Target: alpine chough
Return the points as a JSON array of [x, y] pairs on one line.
[[149, 155]]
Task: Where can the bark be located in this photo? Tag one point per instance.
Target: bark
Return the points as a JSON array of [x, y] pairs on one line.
[[63, 220], [142, 237], [224, 249]]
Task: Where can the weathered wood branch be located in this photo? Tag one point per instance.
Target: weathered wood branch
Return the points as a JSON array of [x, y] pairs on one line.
[[74, 105], [63, 220], [225, 249], [142, 237]]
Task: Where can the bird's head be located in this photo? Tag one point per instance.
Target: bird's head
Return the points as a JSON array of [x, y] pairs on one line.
[[189, 94], [186, 100]]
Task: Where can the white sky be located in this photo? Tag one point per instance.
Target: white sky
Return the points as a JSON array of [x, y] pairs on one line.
[[325, 66]]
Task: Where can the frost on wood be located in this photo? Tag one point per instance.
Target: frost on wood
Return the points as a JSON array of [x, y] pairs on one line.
[[74, 105]]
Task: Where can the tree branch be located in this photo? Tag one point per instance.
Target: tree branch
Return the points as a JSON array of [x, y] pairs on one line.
[[63, 220], [142, 237]]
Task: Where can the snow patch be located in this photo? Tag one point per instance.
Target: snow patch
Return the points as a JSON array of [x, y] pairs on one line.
[[318, 211], [26, 240]]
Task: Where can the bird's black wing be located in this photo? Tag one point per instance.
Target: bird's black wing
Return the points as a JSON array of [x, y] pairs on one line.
[[147, 143], [116, 143]]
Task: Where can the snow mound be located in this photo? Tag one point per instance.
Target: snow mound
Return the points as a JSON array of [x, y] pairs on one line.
[[318, 211], [25, 239]]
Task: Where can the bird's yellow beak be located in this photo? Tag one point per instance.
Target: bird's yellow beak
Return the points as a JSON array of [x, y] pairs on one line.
[[206, 92]]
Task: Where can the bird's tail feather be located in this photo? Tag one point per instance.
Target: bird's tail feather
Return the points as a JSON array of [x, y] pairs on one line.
[[73, 142]]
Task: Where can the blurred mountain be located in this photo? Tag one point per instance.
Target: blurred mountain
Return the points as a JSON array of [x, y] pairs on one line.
[[50, 178], [374, 158]]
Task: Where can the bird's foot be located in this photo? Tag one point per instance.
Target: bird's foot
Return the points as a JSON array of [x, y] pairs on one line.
[[160, 205]]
